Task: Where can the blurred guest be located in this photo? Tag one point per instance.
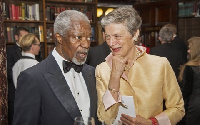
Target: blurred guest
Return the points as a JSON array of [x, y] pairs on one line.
[[139, 43], [190, 78], [14, 53], [173, 55], [30, 46], [97, 55], [129, 72], [178, 43]]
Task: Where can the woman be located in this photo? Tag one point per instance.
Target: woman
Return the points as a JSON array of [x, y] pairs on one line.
[[190, 78], [30, 45], [129, 71]]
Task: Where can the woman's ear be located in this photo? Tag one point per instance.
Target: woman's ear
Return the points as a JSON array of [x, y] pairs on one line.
[[137, 33]]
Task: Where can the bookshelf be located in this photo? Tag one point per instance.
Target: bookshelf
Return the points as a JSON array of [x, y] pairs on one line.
[[38, 17], [188, 18]]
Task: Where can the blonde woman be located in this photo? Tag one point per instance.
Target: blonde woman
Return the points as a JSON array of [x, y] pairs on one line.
[[190, 78], [30, 45]]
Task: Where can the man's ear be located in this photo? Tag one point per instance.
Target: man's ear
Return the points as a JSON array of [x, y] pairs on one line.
[[159, 38], [58, 38], [16, 38]]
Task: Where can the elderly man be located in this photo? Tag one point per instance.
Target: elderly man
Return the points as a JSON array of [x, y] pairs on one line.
[[61, 87]]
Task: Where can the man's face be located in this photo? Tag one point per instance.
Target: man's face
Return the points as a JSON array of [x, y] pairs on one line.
[[119, 39], [21, 33], [76, 42]]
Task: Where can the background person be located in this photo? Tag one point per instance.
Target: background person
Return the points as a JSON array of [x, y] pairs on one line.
[[178, 43], [97, 54], [129, 71], [173, 55], [30, 45], [190, 78], [13, 55], [61, 87]]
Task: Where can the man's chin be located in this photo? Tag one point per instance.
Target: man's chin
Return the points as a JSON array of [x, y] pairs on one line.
[[79, 61]]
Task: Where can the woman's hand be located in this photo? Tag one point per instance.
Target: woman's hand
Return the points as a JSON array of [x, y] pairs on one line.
[[139, 120], [118, 65]]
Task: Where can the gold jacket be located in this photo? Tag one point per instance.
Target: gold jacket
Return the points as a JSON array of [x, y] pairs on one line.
[[150, 81]]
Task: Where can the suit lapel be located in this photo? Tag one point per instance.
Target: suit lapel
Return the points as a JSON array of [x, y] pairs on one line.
[[60, 87]]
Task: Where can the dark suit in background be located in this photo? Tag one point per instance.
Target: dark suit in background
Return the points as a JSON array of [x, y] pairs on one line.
[[97, 55], [180, 45], [173, 55], [44, 92], [13, 55]]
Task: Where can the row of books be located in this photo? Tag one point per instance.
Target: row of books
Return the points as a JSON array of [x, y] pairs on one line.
[[51, 38], [79, 0], [21, 11], [53, 11], [10, 32], [189, 9]]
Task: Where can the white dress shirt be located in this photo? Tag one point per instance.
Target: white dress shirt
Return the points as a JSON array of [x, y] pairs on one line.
[[77, 86], [21, 65]]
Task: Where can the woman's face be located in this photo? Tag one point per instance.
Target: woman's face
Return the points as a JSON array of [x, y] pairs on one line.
[[36, 46], [189, 48], [119, 39]]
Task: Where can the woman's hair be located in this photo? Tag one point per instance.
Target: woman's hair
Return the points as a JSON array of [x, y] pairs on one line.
[[64, 20], [194, 55], [128, 16], [26, 41], [166, 34]]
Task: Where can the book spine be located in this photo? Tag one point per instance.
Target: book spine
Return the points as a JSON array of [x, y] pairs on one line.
[[30, 12], [8, 34], [23, 11], [37, 12], [41, 33], [13, 12], [48, 13]]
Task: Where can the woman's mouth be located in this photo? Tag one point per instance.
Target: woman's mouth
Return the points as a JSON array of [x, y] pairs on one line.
[[116, 49]]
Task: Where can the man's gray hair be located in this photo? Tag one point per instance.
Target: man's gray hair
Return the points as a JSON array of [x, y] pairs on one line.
[[166, 34], [128, 16], [64, 20]]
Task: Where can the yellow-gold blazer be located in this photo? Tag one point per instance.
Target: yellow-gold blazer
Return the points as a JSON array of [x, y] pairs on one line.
[[150, 81]]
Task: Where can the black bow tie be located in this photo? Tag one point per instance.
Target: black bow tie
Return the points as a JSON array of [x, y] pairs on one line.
[[68, 65]]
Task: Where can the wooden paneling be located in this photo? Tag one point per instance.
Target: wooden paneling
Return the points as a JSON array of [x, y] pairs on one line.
[[163, 15], [154, 16]]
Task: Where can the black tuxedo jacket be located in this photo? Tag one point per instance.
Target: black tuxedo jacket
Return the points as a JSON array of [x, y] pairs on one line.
[[97, 55], [173, 55], [179, 44], [13, 55], [43, 96]]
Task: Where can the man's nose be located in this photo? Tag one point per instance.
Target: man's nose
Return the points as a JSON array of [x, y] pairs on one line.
[[85, 43]]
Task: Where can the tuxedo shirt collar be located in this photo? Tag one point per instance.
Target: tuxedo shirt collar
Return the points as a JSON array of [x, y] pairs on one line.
[[72, 84], [28, 54]]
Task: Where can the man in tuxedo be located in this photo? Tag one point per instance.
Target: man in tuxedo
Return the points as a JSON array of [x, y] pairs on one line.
[[178, 43], [97, 55], [13, 55], [173, 55], [61, 87]]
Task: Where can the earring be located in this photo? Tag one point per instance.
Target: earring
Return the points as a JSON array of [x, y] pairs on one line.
[[135, 39]]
